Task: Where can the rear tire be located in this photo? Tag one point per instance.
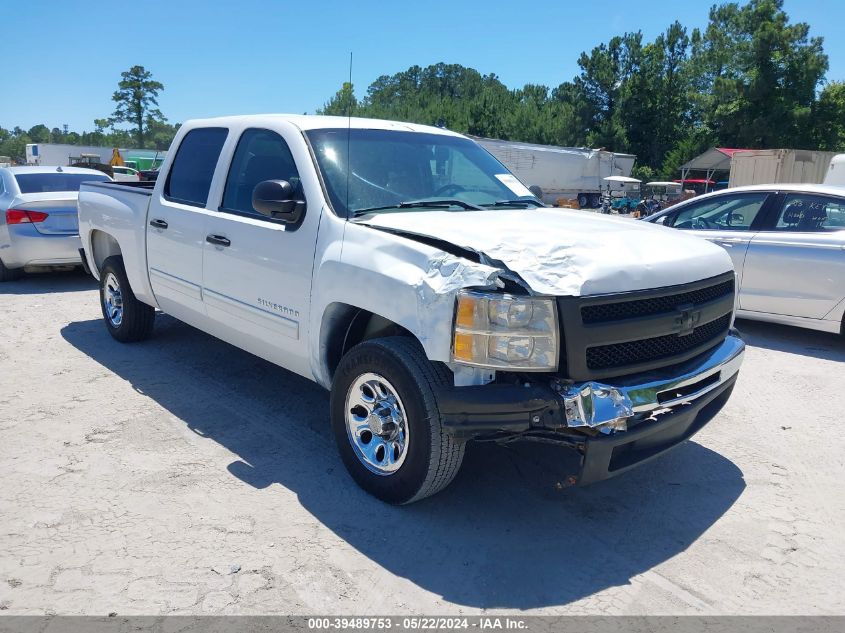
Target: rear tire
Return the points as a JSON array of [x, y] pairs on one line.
[[583, 200], [127, 319], [423, 459], [9, 274]]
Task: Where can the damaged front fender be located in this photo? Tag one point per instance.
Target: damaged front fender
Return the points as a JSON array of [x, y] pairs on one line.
[[410, 283]]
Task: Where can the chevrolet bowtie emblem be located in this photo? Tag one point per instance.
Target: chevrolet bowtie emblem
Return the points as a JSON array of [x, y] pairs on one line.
[[687, 319]]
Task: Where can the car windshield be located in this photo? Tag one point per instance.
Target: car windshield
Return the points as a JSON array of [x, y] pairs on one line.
[[399, 170], [55, 181]]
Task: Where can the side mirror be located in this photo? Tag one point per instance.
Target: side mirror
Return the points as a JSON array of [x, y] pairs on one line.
[[275, 199]]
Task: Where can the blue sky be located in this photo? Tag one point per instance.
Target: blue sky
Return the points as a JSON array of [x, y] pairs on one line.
[[62, 59]]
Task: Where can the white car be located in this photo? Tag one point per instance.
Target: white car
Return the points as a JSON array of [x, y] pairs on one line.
[[787, 243], [125, 174], [38, 222]]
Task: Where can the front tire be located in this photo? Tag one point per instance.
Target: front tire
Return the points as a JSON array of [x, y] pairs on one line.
[[386, 422], [127, 319]]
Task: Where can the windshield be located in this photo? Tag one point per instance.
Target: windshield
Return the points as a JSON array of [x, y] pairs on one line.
[[391, 167], [58, 181]]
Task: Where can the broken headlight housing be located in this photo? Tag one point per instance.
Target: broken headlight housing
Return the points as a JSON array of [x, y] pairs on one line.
[[502, 331]]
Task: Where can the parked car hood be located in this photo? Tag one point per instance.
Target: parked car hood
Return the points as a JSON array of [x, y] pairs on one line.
[[566, 252]]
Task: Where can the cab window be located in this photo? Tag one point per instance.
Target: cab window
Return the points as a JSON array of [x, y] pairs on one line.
[[721, 213], [193, 168], [806, 212], [260, 155]]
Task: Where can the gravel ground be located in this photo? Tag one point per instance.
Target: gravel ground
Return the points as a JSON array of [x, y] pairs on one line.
[[182, 475]]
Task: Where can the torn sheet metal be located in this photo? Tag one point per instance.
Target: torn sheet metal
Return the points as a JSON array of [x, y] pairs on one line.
[[447, 274], [570, 253], [406, 281], [597, 406]]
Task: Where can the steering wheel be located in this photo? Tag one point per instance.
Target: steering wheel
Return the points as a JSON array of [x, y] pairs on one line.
[[702, 223], [451, 187]]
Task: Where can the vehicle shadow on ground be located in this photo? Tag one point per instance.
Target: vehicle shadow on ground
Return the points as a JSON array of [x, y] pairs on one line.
[[794, 340], [505, 534], [49, 282]]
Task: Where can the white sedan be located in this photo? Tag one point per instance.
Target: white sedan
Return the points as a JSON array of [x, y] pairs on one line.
[[787, 243], [125, 174]]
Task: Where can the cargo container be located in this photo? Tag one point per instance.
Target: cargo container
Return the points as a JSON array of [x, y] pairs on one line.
[[768, 166], [60, 154]]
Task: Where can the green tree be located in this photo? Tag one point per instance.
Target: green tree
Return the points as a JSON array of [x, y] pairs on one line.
[[137, 101], [757, 75], [829, 118], [600, 85], [39, 133], [343, 103]]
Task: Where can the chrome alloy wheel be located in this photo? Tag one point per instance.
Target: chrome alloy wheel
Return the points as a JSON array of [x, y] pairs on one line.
[[113, 300], [376, 424]]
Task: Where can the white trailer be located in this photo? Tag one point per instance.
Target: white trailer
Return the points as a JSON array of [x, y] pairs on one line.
[[771, 166], [836, 172], [560, 172], [60, 154]]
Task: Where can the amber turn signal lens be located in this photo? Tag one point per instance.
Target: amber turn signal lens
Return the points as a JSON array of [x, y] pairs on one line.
[[463, 346], [466, 312]]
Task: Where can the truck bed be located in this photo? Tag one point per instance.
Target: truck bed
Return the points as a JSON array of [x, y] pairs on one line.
[[118, 210]]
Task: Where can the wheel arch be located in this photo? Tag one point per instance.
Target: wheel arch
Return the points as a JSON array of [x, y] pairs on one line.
[[343, 326], [103, 246]]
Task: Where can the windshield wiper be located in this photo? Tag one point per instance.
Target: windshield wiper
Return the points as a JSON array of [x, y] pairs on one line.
[[522, 202], [434, 203]]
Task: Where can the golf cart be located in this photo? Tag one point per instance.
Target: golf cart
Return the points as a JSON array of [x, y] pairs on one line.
[[622, 194], [658, 195]]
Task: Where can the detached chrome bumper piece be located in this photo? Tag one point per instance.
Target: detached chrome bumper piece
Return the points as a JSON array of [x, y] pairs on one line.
[[614, 427], [609, 407]]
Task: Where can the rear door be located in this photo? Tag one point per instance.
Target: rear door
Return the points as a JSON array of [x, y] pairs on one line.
[[176, 224], [795, 265], [729, 220], [257, 270]]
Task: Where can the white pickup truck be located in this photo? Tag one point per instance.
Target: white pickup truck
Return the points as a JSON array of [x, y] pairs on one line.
[[403, 268]]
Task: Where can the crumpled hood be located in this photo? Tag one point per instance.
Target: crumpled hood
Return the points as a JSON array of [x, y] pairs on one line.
[[570, 253]]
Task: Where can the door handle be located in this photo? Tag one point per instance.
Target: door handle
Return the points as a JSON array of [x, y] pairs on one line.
[[217, 240], [158, 224]]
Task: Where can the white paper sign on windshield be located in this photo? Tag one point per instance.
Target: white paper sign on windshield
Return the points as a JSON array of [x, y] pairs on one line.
[[510, 181]]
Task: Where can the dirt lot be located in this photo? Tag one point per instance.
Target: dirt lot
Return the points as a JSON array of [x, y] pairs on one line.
[[182, 475]]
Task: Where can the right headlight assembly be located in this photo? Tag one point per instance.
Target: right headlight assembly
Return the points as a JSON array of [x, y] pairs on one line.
[[501, 331]]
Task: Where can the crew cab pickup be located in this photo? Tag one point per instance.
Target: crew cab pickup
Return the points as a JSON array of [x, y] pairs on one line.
[[403, 268]]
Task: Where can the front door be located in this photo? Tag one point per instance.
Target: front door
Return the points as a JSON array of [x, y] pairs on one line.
[[729, 220], [796, 266], [176, 224], [257, 270]]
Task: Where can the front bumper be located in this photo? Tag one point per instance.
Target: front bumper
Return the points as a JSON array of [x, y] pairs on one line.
[[614, 425], [28, 247]]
